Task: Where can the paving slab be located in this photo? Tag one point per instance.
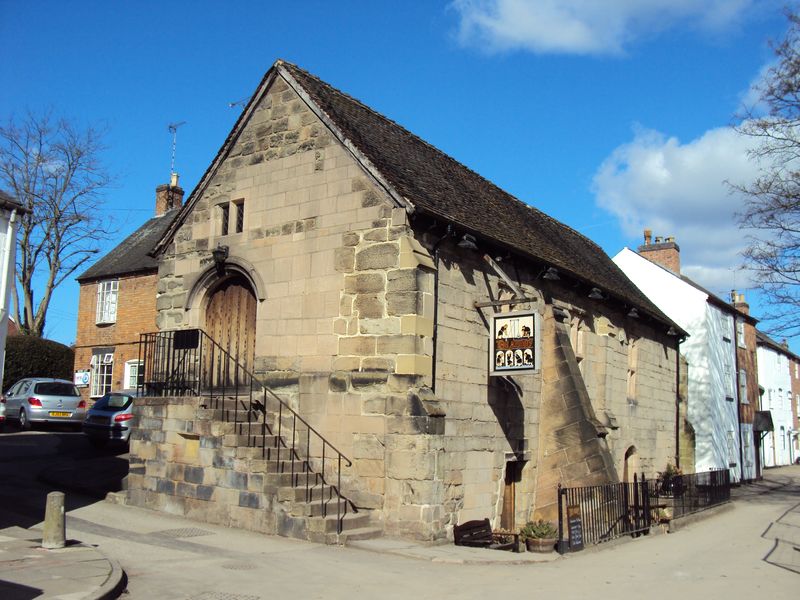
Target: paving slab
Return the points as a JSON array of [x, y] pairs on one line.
[[77, 571]]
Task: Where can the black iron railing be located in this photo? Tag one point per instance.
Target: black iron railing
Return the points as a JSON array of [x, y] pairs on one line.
[[189, 362], [685, 494], [596, 514], [603, 512]]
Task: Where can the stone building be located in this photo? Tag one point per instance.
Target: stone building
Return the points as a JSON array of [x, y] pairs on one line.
[[365, 268], [117, 302]]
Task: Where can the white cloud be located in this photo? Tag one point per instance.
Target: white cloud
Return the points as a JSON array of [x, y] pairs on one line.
[[583, 26], [679, 190], [751, 101]]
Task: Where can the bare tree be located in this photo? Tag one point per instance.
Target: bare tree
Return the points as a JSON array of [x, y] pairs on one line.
[[53, 168], [772, 202]]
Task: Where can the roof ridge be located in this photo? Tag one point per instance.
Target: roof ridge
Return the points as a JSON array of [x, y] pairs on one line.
[[417, 138]]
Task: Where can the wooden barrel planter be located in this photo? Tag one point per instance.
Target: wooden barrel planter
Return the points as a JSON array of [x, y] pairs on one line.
[[542, 545]]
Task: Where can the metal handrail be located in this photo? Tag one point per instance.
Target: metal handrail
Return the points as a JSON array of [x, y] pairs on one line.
[[218, 375]]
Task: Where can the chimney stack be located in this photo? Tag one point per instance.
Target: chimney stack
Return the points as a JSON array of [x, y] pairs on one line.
[[168, 196], [739, 303], [664, 252]]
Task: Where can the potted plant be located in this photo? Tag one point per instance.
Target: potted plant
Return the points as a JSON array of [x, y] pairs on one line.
[[539, 536]]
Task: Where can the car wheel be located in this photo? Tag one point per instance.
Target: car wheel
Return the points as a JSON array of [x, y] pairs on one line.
[[24, 424]]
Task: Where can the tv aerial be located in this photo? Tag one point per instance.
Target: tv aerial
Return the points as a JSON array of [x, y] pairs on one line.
[[173, 129]]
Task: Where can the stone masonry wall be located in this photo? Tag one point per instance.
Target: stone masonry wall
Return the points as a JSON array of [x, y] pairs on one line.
[[180, 464], [491, 421]]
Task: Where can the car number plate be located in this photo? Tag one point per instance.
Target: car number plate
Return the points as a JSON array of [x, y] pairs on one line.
[[60, 414]]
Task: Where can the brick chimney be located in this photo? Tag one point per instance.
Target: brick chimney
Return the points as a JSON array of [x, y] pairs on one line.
[[664, 252], [739, 303], [168, 196]]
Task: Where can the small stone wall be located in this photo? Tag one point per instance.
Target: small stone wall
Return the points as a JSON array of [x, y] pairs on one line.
[[184, 463]]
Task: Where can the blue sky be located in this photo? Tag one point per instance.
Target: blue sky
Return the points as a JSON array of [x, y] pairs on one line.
[[610, 116]]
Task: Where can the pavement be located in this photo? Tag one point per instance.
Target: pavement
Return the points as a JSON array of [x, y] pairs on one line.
[[84, 570]]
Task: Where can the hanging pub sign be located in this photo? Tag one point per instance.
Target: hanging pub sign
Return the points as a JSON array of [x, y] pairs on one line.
[[514, 343]]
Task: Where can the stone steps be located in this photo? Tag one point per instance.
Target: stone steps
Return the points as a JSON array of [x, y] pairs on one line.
[[302, 509]]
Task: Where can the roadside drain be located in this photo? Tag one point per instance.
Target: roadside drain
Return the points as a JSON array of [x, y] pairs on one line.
[[183, 533]]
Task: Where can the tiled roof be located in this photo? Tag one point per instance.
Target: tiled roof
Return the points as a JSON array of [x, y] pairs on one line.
[[762, 339], [132, 254], [7, 201], [717, 301], [439, 186]]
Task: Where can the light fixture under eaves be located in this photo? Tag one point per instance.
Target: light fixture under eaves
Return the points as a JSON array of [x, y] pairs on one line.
[[633, 313], [672, 331], [467, 241], [596, 294], [551, 274]]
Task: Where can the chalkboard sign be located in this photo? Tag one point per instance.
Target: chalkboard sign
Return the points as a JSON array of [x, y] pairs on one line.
[[575, 528]]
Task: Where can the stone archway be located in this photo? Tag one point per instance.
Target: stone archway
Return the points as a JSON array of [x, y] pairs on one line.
[[230, 318], [631, 465]]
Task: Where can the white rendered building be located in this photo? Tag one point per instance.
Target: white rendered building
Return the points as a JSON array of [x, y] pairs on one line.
[[10, 212], [714, 389], [774, 377]]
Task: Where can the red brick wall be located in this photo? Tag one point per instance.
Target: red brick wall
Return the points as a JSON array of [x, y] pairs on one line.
[[793, 366], [747, 361], [136, 313]]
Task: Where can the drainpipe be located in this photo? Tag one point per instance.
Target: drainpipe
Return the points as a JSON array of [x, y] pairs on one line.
[[678, 402], [448, 233], [735, 339]]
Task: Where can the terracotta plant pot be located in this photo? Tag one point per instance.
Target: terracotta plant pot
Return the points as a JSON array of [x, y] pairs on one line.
[[540, 544]]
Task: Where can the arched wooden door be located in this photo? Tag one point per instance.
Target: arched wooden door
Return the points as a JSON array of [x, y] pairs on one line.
[[231, 322]]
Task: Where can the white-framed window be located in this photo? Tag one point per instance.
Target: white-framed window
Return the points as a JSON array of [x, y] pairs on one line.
[[732, 456], [729, 383], [102, 369], [107, 292], [743, 387], [740, 333], [134, 374]]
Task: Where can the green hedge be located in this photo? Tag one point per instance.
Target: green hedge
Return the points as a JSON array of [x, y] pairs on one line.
[[29, 356]]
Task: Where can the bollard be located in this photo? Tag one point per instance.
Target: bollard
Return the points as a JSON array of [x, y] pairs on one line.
[[54, 522]]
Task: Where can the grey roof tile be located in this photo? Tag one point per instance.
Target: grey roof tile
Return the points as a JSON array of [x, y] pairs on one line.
[[440, 186], [132, 254]]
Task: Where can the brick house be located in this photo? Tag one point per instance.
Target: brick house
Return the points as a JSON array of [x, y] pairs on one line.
[[117, 302], [366, 269], [747, 379]]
